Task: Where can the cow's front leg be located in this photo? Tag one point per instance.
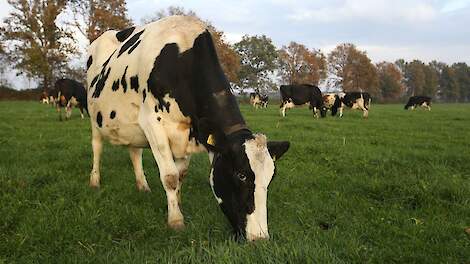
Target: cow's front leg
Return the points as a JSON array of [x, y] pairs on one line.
[[182, 165], [97, 145], [169, 174], [283, 110], [140, 180]]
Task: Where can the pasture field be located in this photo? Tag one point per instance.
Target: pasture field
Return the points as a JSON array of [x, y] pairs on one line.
[[391, 189]]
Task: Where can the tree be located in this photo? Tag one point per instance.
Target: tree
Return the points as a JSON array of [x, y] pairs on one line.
[[299, 65], [462, 74], [170, 11], [228, 57], [390, 81], [93, 17], [3, 63], [415, 77], [258, 62], [431, 81], [449, 84], [352, 70], [35, 44]]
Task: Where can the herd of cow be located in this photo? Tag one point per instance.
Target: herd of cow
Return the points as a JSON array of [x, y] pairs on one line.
[[321, 103], [160, 86]]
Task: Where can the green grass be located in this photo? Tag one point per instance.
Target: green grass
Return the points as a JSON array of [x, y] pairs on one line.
[[391, 189]]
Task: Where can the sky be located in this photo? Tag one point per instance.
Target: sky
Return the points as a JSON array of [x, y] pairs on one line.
[[385, 29]]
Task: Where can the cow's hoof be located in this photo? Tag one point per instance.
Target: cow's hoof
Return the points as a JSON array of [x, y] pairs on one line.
[[94, 184], [143, 188], [176, 224]]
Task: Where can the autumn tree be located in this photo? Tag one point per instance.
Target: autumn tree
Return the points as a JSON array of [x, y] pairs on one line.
[[299, 65], [170, 11], [431, 81], [462, 74], [258, 63], [36, 46], [3, 65], [352, 70], [93, 17], [449, 85], [228, 57], [415, 77], [390, 81]]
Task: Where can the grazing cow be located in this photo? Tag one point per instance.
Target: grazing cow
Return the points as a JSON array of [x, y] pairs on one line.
[[292, 95], [161, 86], [415, 101], [69, 93], [44, 98], [331, 102], [259, 100], [353, 100]]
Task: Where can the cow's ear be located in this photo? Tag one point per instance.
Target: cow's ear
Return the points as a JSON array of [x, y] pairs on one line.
[[277, 148]]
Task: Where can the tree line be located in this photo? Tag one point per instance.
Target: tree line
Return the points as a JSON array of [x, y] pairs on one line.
[[38, 40]]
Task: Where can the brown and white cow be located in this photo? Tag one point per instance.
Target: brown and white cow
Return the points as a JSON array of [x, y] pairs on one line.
[[160, 86], [353, 100]]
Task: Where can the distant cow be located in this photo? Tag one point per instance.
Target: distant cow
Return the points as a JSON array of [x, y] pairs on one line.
[[415, 101], [331, 102], [292, 95], [161, 86], [353, 100], [70, 93], [259, 100], [44, 98]]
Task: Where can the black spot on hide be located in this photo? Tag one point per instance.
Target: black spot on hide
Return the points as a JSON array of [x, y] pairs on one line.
[[101, 78], [115, 86], [124, 34], [133, 47], [144, 94], [130, 42], [112, 115], [123, 80], [89, 62], [159, 118], [99, 119], [100, 84], [135, 83]]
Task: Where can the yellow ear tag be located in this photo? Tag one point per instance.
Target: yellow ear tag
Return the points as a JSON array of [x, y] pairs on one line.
[[211, 140]]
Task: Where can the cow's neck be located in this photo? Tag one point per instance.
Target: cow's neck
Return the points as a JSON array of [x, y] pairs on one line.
[[216, 105]]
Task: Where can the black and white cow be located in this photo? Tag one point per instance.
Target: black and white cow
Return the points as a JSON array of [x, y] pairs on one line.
[[353, 100], [69, 93], [259, 100], [161, 86], [331, 102], [415, 101], [296, 95]]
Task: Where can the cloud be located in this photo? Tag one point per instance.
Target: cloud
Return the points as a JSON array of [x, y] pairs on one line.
[[373, 10], [454, 5]]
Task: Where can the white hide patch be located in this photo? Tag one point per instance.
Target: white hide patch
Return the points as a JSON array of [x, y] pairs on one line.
[[262, 165], [329, 100]]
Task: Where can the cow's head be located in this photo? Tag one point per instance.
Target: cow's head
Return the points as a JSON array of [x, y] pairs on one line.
[[240, 177]]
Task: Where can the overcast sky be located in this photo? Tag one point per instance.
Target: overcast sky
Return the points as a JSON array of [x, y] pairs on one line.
[[386, 29]]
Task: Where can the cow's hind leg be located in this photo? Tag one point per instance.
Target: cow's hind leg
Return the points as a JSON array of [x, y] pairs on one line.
[[182, 166], [97, 145], [169, 174], [140, 180]]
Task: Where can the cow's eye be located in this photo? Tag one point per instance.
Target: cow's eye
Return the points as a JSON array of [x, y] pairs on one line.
[[241, 176]]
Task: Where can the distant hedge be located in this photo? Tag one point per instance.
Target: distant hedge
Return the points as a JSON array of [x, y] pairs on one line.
[[8, 94]]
